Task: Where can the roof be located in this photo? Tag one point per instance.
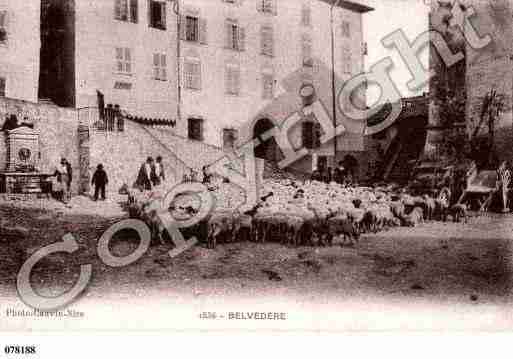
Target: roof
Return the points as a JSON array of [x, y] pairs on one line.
[[152, 121], [411, 107], [350, 5]]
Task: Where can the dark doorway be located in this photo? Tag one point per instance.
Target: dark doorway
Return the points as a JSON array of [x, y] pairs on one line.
[[268, 149]]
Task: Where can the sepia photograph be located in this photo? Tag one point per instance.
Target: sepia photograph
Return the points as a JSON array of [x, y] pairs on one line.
[[338, 166]]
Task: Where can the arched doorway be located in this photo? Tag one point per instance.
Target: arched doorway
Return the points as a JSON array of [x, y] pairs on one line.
[[268, 149]]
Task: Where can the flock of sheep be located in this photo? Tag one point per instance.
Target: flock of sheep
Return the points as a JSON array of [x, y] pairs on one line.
[[315, 213]]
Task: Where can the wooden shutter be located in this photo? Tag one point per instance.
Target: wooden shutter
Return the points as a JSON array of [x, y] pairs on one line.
[[306, 15], [267, 41], [2, 87], [163, 67], [183, 27], [162, 7], [242, 39], [307, 51], [317, 133], [196, 72], [3, 26], [134, 11], [307, 134], [202, 30], [119, 60], [274, 4], [228, 30], [260, 5], [128, 61], [156, 66]]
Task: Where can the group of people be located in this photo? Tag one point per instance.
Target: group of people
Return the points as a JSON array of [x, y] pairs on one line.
[[343, 174], [151, 174], [63, 176]]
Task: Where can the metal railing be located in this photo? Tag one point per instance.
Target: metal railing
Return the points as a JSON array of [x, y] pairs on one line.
[[108, 120]]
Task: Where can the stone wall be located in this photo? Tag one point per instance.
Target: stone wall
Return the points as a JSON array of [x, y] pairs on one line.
[[57, 128]]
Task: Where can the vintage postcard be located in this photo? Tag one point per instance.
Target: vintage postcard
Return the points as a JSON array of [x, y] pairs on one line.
[[256, 165]]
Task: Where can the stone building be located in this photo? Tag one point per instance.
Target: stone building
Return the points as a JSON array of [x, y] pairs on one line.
[[124, 49], [237, 58], [19, 49]]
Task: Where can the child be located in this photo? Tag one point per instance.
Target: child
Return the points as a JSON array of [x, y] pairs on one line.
[[99, 181]]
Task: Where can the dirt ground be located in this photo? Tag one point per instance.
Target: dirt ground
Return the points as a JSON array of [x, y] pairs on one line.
[[437, 262]]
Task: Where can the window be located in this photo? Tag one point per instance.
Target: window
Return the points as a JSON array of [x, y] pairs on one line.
[[346, 29], [2, 87], [229, 137], [123, 60], [193, 28], [3, 27], [157, 13], [235, 36], [232, 79], [126, 10], [306, 15], [192, 75], [195, 129], [311, 135], [346, 60], [267, 86], [267, 6], [267, 41], [159, 67], [306, 51]]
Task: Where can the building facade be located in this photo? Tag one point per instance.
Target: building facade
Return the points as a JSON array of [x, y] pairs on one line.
[[19, 49], [236, 55], [124, 50]]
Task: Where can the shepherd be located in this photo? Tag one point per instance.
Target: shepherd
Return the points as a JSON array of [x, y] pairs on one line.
[[100, 181], [144, 182]]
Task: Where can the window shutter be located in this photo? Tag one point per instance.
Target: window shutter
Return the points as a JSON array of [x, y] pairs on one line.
[[236, 81], [317, 135], [3, 26], [3, 19], [203, 31], [163, 64], [117, 9], [306, 15], [2, 87], [128, 60], [200, 129], [307, 51], [156, 66], [197, 76], [119, 59], [307, 134], [183, 27], [260, 5], [229, 35], [163, 14], [134, 16], [242, 39], [124, 10], [274, 4]]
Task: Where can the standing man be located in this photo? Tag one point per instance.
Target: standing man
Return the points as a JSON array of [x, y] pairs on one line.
[[100, 181], [69, 170], [503, 181], [143, 181], [159, 172]]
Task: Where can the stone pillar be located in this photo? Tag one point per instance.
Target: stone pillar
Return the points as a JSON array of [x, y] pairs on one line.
[[84, 159]]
